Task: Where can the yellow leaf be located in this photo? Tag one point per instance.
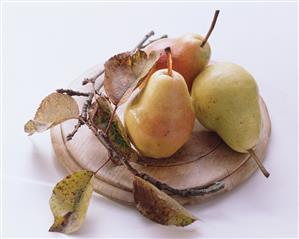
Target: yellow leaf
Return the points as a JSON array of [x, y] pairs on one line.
[[126, 71], [69, 201], [53, 110], [158, 206]]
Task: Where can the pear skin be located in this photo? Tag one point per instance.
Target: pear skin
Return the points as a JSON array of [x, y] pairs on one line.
[[188, 57], [160, 119], [226, 100]]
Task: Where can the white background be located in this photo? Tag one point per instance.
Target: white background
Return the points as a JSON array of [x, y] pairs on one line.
[[46, 46]]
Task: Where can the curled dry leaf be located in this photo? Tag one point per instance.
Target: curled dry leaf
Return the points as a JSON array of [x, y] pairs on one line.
[[126, 71], [99, 114], [70, 200], [158, 206], [53, 110]]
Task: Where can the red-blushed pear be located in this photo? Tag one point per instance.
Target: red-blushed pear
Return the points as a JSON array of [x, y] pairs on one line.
[[160, 119], [190, 53]]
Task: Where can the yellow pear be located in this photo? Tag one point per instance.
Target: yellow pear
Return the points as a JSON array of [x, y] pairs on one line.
[[160, 119], [226, 100]]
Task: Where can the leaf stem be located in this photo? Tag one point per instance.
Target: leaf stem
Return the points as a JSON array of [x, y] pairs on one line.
[[103, 165], [111, 119], [211, 28]]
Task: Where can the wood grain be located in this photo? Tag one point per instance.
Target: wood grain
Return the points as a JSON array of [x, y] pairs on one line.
[[203, 159]]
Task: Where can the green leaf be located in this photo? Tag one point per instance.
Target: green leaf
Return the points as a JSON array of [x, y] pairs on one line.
[[125, 72], [99, 114], [158, 206], [69, 201], [53, 110]]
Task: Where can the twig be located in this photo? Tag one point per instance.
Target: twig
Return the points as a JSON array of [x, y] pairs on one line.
[[195, 191], [92, 79], [211, 28], [72, 92], [146, 37], [138, 46], [101, 136], [75, 130], [83, 115], [86, 106], [157, 39]]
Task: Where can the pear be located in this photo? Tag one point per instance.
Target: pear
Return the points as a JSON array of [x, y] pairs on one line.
[[190, 53], [225, 98], [160, 119]]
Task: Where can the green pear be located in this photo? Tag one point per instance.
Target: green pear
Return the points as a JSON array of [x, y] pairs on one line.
[[160, 119], [225, 98]]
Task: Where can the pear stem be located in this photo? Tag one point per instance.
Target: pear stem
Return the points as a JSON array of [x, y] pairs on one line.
[[211, 28], [169, 60], [258, 162]]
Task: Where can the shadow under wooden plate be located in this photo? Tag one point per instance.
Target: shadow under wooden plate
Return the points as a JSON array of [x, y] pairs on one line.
[[203, 159]]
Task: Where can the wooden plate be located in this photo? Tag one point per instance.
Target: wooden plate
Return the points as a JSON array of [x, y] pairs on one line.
[[203, 159]]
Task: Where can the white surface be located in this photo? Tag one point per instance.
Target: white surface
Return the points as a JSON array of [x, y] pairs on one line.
[[48, 45]]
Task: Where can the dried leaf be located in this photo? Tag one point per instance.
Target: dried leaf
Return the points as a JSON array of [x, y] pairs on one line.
[[70, 200], [53, 110], [100, 113], [33, 126], [125, 72], [158, 206]]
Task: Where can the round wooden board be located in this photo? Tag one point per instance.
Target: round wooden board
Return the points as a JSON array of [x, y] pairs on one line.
[[203, 159]]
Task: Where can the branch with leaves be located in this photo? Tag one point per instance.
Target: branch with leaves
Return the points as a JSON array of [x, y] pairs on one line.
[[124, 73]]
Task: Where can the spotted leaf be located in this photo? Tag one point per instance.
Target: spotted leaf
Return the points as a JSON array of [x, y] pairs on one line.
[[69, 201], [158, 206]]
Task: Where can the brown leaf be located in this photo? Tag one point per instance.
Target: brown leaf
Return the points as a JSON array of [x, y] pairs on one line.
[[158, 206], [125, 71], [53, 110], [100, 113]]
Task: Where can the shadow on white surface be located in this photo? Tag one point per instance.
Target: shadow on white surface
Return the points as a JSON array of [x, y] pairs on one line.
[[40, 159], [97, 221]]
